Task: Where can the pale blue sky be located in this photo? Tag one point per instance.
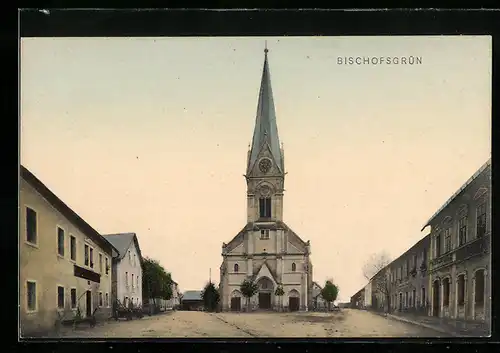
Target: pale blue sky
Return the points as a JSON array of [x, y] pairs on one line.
[[150, 135]]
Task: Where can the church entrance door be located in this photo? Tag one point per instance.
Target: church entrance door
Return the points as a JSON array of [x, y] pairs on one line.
[[265, 301], [235, 304], [293, 304]]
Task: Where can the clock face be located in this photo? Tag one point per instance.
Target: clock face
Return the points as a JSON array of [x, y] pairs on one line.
[[265, 165]]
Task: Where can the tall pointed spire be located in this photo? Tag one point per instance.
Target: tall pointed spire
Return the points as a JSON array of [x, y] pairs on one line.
[[266, 129]]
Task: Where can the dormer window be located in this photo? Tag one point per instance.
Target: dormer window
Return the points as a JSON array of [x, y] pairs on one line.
[[265, 207], [264, 234]]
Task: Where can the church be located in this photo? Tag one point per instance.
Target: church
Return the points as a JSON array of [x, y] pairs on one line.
[[266, 250]]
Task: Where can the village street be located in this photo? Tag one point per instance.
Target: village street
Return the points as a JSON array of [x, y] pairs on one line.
[[180, 324]]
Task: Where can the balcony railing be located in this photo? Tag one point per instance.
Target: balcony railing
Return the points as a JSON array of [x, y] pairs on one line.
[[477, 247], [443, 260]]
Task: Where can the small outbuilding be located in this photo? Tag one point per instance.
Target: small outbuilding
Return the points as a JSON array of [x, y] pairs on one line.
[[192, 300]]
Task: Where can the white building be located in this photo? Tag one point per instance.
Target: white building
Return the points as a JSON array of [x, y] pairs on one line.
[[127, 268], [318, 301], [266, 250], [368, 295], [174, 302]]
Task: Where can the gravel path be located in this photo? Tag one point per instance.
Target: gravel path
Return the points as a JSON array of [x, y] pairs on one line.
[[347, 323]]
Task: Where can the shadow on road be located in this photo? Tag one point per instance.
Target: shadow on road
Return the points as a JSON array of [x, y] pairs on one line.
[[318, 317]]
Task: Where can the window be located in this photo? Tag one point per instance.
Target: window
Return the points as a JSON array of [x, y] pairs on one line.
[[60, 297], [73, 298], [462, 231], [414, 296], [438, 245], [72, 248], [461, 290], [236, 268], [107, 266], [137, 279], [133, 283], [126, 279], [423, 296], [129, 257], [31, 295], [447, 240], [100, 298], [100, 263], [294, 267], [60, 241], [264, 234], [91, 256], [31, 231], [481, 221], [134, 260], [265, 207], [479, 288], [446, 292], [86, 254], [106, 301]]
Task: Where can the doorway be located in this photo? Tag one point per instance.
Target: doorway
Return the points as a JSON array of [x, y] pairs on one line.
[[435, 298], [293, 304], [89, 303], [236, 304], [400, 301], [265, 301]]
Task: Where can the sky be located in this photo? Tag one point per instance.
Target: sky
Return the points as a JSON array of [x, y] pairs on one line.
[[150, 135]]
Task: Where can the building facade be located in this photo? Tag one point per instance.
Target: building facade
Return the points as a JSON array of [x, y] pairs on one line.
[[65, 264], [358, 300], [174, 302], [408, 280], [127, 269], [266, 250], [460, 267], [318, 302]]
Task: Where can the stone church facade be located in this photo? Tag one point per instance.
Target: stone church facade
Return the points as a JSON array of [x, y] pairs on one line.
[[266, 250]]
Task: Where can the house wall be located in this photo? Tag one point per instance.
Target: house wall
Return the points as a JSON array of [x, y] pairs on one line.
[[127, 267], [293, 281], [40, 263], [466, 259]]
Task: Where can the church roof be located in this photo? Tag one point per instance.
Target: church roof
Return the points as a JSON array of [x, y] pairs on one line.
[[293, 238], [266, 128]]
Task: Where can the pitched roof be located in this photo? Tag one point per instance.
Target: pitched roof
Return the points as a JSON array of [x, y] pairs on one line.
[[266, 128], [122, 242], [65, 210], [192, 295], [467, 183], [293, 238]]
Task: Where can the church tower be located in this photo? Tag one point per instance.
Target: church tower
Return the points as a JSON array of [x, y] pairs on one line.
[[266, 251], [265, 174]]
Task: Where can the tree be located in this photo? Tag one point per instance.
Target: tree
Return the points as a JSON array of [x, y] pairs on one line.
[[248, 289], [211, 297], [156, 282], [330, 292], [280, 292], [375, 272]]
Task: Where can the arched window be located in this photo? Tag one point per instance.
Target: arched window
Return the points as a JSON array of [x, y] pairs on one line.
[[236, 267], [294, 267]]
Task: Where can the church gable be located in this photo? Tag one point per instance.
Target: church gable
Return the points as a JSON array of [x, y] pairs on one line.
[[293, 239], [265, 152], [240, 249], [237, 240], [265, 271]]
